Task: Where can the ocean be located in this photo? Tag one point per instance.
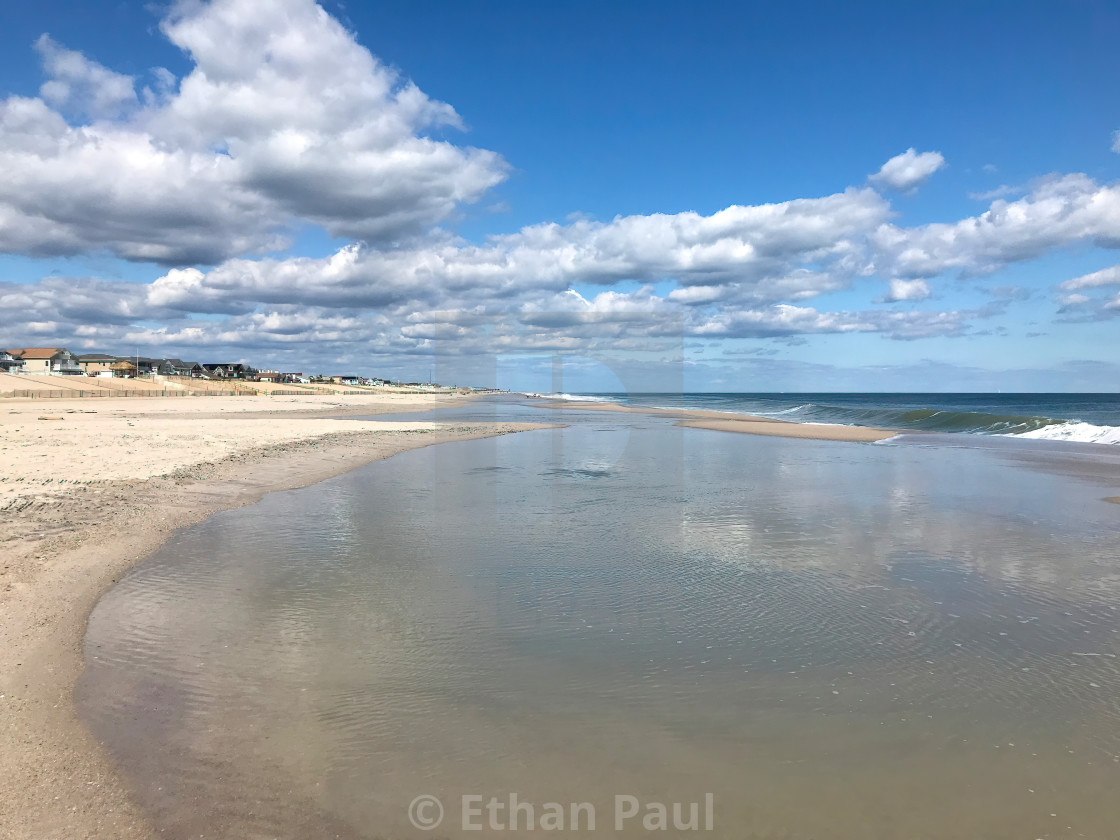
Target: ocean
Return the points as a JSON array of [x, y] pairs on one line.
[[821, 639], [1088, 418]]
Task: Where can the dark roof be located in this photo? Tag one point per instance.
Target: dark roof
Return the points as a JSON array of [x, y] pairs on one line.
[[151, 360], [97, 357]]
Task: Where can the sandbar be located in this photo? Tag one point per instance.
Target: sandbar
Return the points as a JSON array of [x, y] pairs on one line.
[[748, 424]]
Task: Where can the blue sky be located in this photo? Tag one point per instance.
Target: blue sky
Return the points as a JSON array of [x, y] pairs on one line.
[[269, 195]]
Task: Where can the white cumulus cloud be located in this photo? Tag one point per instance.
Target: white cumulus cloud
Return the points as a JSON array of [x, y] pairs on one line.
[[1058, 211], [284, 119], [76, 83], [906, 290], [749, 254], [1105, 277], [1075, 297], [908, 171]]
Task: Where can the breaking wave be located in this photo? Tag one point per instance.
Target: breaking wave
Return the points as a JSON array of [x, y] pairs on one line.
[[1073, 430]]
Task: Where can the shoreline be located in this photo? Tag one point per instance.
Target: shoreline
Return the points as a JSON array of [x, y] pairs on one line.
[[747, 424], [67, 538]]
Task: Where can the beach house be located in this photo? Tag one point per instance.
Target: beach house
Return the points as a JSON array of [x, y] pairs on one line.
[[229, 370], [278, 376], [10, 363], [146, 365], [177, 367], [96, 363], [40, 361]]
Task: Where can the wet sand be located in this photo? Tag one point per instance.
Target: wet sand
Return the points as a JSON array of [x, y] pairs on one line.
[[624, 606], [747, 424], [89, 488]]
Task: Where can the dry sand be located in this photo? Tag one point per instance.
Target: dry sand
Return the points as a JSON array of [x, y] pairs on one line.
[[90, 487], [47, 446], [722, 421]]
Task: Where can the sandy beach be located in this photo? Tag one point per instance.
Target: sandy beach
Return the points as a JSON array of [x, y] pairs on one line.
[[90, 487], [721, 421]]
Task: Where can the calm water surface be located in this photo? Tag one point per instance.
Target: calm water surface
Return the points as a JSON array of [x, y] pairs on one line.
[[834, 640]]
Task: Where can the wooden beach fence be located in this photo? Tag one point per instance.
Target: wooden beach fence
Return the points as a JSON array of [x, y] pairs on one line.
[[76, 393]]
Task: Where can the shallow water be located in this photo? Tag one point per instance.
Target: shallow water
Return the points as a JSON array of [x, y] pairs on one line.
[[833, 640]]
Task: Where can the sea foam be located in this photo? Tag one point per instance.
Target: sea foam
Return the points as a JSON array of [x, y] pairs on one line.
[[1074, 430]]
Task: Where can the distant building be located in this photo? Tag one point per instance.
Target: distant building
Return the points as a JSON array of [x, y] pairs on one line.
[[228, 370], [10, 363], [147, 365], [48, 361], [278, 376], [95, 363], [177, 367]]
